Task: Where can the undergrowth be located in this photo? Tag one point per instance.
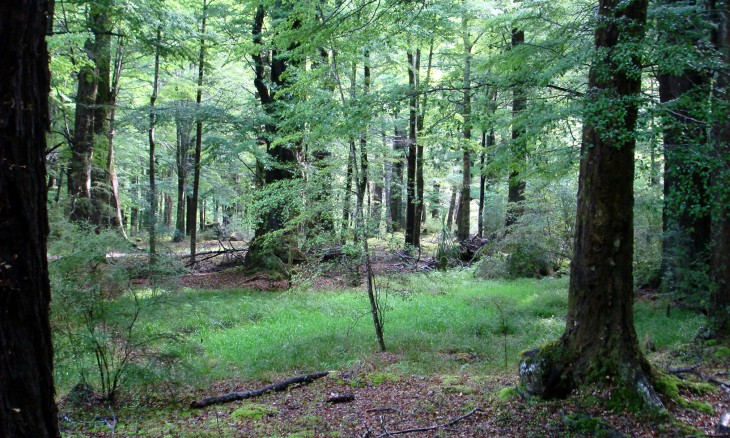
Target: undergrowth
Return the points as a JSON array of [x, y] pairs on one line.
[[447, 323]]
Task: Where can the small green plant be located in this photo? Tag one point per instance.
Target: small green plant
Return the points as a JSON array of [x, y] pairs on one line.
[[96, 312]]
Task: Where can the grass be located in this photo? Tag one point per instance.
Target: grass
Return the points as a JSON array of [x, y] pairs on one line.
[[446, 323]]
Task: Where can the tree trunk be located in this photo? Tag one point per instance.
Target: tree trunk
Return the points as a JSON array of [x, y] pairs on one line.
[[198, 135], [183, 123], [396, 182], [420, 162], [363, 174], [260, 253], [462, 221], [413, 220], [27, 405], [686, 218], [452, 209], [517, 185], [720, 259], [599, 344], [82, 147], [151, 137]]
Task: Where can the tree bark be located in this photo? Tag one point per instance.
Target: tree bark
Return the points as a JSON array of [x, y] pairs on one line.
[[517, 184], [462, 221], [152, 197], [283, 156], [27, 405], [686, 218], [720, 259], [396, 182], [198, 135], [82, 147], [413, 220], [599, 344]]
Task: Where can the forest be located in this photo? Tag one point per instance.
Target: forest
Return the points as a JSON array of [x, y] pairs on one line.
[[365, 218]]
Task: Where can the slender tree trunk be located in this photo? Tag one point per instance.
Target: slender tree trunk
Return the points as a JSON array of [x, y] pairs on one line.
[[482, 186], [347, 198], [599, 343], [462, 221], [396, 182], [115, 208], [452, 209], [363, 174], [27, 405], [198, 134], [720, 246], [517, 185], [151, 136], [413, 219]]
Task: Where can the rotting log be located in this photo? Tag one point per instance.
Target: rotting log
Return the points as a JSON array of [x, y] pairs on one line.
[[274, 387]]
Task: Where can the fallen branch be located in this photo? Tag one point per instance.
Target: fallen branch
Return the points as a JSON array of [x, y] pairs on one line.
[[340, 398], [693, 370], [426, 429], [219, 252], [274, 387]]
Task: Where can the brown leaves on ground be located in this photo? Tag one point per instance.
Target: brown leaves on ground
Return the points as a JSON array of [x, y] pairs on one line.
[[386, 403]]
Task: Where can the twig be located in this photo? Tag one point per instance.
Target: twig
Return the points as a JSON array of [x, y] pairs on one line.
[[386, 409], [426, 429]]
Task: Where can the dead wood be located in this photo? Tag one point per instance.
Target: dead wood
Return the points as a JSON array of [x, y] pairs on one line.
[[274, 387], [693, 371], [340, 398], [426, 429]]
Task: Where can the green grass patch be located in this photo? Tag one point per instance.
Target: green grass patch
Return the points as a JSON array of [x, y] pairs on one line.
[[446, 323]]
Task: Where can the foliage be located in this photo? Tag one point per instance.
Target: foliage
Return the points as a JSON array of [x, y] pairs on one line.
[[97, 309]]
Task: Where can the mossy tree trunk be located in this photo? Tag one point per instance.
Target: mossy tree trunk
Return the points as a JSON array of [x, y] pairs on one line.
[[27, 404], [599, 345]]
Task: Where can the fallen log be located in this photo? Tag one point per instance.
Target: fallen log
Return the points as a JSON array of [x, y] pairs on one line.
[[274, 387]]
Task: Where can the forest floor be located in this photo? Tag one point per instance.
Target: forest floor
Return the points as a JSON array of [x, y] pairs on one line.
[[384, 401]]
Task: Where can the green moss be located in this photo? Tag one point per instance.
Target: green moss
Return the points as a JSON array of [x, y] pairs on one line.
[[451, 380], [380, 378], [252, 411], [704, 407], [457, 389], [585, 424], [722, 352], [507, 394]]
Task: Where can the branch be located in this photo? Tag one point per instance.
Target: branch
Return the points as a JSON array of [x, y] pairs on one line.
[[426, 429], [275, 387]]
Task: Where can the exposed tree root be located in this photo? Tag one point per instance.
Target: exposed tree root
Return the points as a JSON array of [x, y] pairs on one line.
[[279, 386]]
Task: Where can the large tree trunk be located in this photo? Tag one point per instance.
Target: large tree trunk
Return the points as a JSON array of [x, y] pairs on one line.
[[82, 147], [27, 405], [599, 344], [720, 260], [517, 185], [284, 156]]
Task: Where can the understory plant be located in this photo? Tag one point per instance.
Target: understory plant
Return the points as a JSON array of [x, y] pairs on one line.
[[100, 338]]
